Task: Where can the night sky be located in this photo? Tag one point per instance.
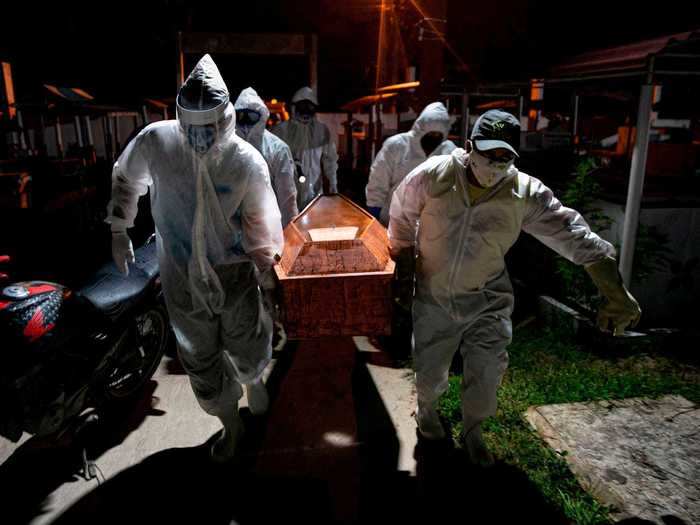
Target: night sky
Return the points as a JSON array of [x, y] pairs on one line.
[[128, 52]]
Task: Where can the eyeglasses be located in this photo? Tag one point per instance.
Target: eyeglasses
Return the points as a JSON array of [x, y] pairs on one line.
[[498, 155]]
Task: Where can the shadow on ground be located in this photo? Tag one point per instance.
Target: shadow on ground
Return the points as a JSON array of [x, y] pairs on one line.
[[41, 465], [182, 486]]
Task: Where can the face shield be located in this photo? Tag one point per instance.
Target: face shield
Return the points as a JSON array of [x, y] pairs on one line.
[[202, 106], [201, 138]]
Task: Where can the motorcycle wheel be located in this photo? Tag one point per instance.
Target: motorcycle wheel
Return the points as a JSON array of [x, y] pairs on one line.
[[152, 334]]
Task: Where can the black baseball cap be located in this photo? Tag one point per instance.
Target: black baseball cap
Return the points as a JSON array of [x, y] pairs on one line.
[[496, 129]]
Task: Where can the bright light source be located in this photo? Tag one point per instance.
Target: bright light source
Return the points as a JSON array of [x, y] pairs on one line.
[[338, 439]]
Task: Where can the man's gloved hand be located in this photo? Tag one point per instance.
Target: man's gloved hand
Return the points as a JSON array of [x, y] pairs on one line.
[[376, 211], [405, 259], [268, 285], [620, 309], [122, 251]]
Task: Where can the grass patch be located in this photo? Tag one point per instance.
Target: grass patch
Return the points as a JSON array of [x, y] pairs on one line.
[[548, 368]]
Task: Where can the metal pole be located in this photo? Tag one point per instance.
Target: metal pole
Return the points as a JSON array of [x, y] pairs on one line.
[[88, 129], [464, 131], [22, 131], [109, 129], [144, 111], [78, 131], [180, 61], [42, 138], [117, 141], [313, 63], [349, 142], [59, 137], [636, 183], [521, 106], [574, 130], [370, 135]]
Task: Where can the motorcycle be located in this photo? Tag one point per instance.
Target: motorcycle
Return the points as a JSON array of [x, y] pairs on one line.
[[71, 352]]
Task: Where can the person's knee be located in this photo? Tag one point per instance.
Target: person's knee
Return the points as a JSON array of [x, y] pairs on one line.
[[480, 403]]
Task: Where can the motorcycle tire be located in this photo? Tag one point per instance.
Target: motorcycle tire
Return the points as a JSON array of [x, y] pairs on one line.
[[153, 335]]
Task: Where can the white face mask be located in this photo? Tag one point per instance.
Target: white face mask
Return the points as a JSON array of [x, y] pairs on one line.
[[488, 172]]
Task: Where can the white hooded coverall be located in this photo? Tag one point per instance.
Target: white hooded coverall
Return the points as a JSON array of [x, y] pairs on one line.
[[463, 297], [401, 153], [214, 212], [313, 149], [274, 150]]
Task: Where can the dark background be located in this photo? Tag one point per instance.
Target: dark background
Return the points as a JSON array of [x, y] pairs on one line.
[[123, 50]]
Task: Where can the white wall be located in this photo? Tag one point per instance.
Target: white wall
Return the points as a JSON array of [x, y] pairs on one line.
[[660, 305]]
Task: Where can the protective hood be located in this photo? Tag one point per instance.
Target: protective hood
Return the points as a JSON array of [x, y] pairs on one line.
[[433, 118], [305, 93], [249, 99], [204, 97]]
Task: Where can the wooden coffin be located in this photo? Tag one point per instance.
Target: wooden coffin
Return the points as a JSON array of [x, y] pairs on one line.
[[335, 273]]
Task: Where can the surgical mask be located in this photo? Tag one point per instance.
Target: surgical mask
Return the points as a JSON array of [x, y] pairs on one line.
[[488, 172], [430, 141], [201, 138]]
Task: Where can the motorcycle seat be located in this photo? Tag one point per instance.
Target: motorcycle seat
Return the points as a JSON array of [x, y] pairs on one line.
[[111, 292]]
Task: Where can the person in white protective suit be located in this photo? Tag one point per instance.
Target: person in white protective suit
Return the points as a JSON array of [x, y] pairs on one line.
[[218, 230], [313, 148], [401, 153], [251, 117], [462, 212]]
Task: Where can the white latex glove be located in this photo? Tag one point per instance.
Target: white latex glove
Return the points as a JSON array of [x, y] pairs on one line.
[[122, 251]]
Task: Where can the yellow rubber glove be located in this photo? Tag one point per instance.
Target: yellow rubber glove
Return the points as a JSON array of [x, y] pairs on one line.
[[620, 309]]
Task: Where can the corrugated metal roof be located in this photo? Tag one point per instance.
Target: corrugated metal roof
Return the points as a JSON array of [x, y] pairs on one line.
[[630, 57]]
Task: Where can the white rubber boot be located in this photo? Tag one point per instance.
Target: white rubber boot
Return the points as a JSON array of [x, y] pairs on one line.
[[477, 451], [258, 400], [429, 424]]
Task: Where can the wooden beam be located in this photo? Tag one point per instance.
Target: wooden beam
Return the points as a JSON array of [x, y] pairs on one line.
[[244, 43]]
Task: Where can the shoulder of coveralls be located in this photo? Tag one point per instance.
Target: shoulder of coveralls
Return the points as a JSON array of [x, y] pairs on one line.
[[277, 129], [248, 156], [275, 142], [431, 173], [535, 193], [396, 141], [448, 146], [325, 132], [154, 130], [528, 186]]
